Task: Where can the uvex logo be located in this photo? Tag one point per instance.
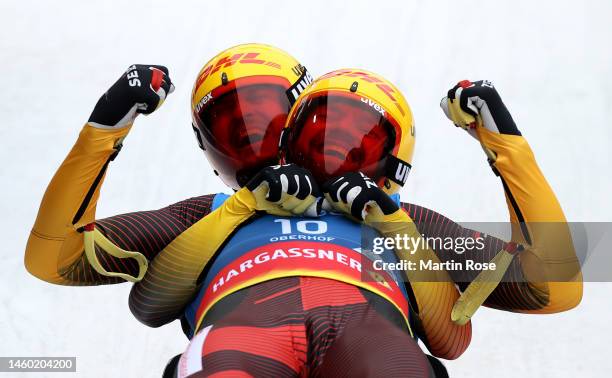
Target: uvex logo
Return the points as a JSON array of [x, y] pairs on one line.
[[296, 89], [226, 61], [374, 105], [385, 88], [203, 102], [401, 174]]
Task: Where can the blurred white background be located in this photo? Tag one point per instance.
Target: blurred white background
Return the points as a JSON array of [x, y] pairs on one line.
[[551, 61]]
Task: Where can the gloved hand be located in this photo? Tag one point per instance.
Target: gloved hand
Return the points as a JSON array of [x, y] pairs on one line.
[[141, 89], [357, 195], [471, 105], [285, 190]]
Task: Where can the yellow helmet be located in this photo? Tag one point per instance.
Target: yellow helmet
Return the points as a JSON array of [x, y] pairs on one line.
[[239, 105], [352, 120]]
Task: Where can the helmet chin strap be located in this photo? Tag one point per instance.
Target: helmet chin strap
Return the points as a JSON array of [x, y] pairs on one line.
[[397, 170]]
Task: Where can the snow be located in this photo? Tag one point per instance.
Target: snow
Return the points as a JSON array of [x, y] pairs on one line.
[[550, 60]]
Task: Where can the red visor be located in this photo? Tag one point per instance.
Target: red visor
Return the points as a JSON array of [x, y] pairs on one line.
[[240, 124], [333, 133]]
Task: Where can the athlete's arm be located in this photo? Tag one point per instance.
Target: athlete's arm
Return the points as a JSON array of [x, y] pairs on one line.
[[146, 232], [514, 294], [548, 263], [54, 252]]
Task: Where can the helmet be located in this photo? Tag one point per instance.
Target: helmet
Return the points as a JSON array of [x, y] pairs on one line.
[[351, 120], [239, 105]]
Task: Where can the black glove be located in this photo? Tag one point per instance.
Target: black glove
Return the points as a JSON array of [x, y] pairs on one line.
[[284, 189], [141, 89], [358, 195], [470, 103]]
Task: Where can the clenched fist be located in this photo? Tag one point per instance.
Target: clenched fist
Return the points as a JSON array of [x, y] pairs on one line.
[[141, 89], [472, 104], [357, 195], [285, 190]]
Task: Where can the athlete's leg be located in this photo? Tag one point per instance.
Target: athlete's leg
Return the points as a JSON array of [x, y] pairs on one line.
[[260, 336], [354, 333], [375, 349], [171, 367]]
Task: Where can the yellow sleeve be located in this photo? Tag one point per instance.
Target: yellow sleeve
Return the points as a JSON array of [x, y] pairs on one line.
[[549, 263], [55, 245], [172, 278], [434, 291]]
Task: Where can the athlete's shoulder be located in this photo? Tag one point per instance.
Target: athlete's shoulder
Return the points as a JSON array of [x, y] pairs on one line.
[[194, 208], [204, 200], [421, 214]]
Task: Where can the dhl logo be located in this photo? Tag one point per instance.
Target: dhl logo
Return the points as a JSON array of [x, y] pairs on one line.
[[380, 84], [227, 61]]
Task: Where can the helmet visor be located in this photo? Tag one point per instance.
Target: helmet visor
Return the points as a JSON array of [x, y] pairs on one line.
[[240, 126], [333, 133]]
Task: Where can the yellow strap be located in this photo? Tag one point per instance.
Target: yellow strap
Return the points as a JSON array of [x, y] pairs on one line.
[[479, 290], [91, 238]]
